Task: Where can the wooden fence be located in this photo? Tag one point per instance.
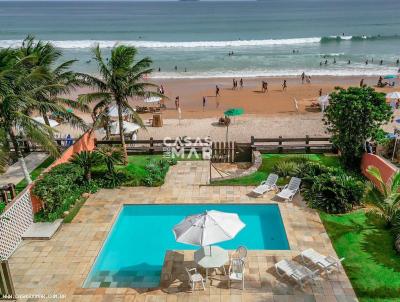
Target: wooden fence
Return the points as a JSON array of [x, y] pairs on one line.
[[157, 146], [292, 145], [28, 146]]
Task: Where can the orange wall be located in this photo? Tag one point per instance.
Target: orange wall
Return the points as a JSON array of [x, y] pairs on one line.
[[85, 143], [385, 167]]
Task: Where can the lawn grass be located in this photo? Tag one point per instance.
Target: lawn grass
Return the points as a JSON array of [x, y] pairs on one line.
[[371, 263], [268, 162], [34, 174]]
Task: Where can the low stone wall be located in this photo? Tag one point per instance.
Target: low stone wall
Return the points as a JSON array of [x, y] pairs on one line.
[[256, 160]]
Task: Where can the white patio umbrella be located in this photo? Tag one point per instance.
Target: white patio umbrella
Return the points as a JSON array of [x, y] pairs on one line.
[[128, 127], [393, 95], [323, 101], [153, 99], [113, 111], [208, 228], [52, 123]]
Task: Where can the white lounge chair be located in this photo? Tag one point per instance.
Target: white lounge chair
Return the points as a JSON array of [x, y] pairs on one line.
[[295, 271], [290, 189], [236, 272], [267, 185], [195, 278], [327, 263]]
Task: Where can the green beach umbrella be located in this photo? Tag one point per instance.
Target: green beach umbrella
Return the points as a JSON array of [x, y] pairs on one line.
[[234, 112], [390, 76], [70, 110]]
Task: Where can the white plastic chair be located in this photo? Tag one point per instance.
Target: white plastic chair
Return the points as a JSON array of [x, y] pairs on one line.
[[236, 272], [240, 253], [267, 185], [195, 278], [290, 189]]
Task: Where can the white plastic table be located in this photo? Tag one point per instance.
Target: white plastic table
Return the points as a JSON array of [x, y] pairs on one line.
[[211, 257]]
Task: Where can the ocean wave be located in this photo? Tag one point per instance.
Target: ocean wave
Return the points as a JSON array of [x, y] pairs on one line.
[[329, 39], [84, 44], [81, 44], [274, 73]]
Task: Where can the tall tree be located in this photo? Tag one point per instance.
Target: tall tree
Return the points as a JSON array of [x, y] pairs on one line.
[[58, 78], [353, 116], [18, 87], [121, 77]]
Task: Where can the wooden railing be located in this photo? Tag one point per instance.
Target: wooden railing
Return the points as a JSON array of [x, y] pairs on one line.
[[292, 145], [28, 146], [157, 146]]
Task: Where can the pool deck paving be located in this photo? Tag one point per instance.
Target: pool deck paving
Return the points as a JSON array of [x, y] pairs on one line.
[[61, 265]]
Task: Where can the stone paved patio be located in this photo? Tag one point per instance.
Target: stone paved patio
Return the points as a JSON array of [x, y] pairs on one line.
[[61, 265]]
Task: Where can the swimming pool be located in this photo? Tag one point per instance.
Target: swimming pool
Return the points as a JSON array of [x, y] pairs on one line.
[[134, 251]]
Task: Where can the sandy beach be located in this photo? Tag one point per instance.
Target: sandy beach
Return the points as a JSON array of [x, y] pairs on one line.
[[269, 114]]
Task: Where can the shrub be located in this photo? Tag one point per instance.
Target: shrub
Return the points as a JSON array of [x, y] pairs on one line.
[[2, 207], [333, 191], [156, 171], [286, 168], [58, 189]]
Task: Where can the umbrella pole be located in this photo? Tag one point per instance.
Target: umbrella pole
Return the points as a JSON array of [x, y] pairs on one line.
[[394, 148]]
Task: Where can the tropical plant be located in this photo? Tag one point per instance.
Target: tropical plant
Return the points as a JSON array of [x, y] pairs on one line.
[[383, 198], [18, 87], [87, 160], [111, 156], [333, 192], [353, 116], [286, 168], [58, 189], [121, 78]]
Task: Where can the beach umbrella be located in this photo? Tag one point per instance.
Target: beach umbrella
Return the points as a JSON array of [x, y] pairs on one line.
[[208, 228], [153, 99], [391, 76], [393, 95], [52, 123], [113, 111], [128, 127], [234, 112]]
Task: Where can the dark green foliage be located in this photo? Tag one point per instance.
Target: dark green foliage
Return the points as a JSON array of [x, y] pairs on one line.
[[58, 189], [156, 171], [353, 116], [332, 191], [2, 207], [87, 160]]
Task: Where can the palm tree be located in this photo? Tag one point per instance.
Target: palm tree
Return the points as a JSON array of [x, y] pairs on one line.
[[121, 78], [87, 160], [111, 156], [18, 87], [383, 198], [59, 80]]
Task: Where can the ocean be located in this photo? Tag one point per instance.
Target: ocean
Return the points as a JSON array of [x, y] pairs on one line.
[[194, 39]]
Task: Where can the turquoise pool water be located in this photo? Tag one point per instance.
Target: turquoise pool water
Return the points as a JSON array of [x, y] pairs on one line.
[[133, 253]]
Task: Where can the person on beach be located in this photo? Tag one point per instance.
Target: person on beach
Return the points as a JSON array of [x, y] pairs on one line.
[[362, 83], [397, 62], [366, 62], [320, 92], [204, 102], [216, 91], [381, 62], [284, 85], [303, 75], [176, 68], [234, 84], [326, 62], [349, 62], [334, 60], [162, 91], [177, 103], [262, 86], [241, 83], [309, 80]]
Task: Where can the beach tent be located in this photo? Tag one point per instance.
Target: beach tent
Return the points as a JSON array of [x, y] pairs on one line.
[[393, 95], [232, 112], [128, 127], [323, 102], [52, 123], [153, 99]]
